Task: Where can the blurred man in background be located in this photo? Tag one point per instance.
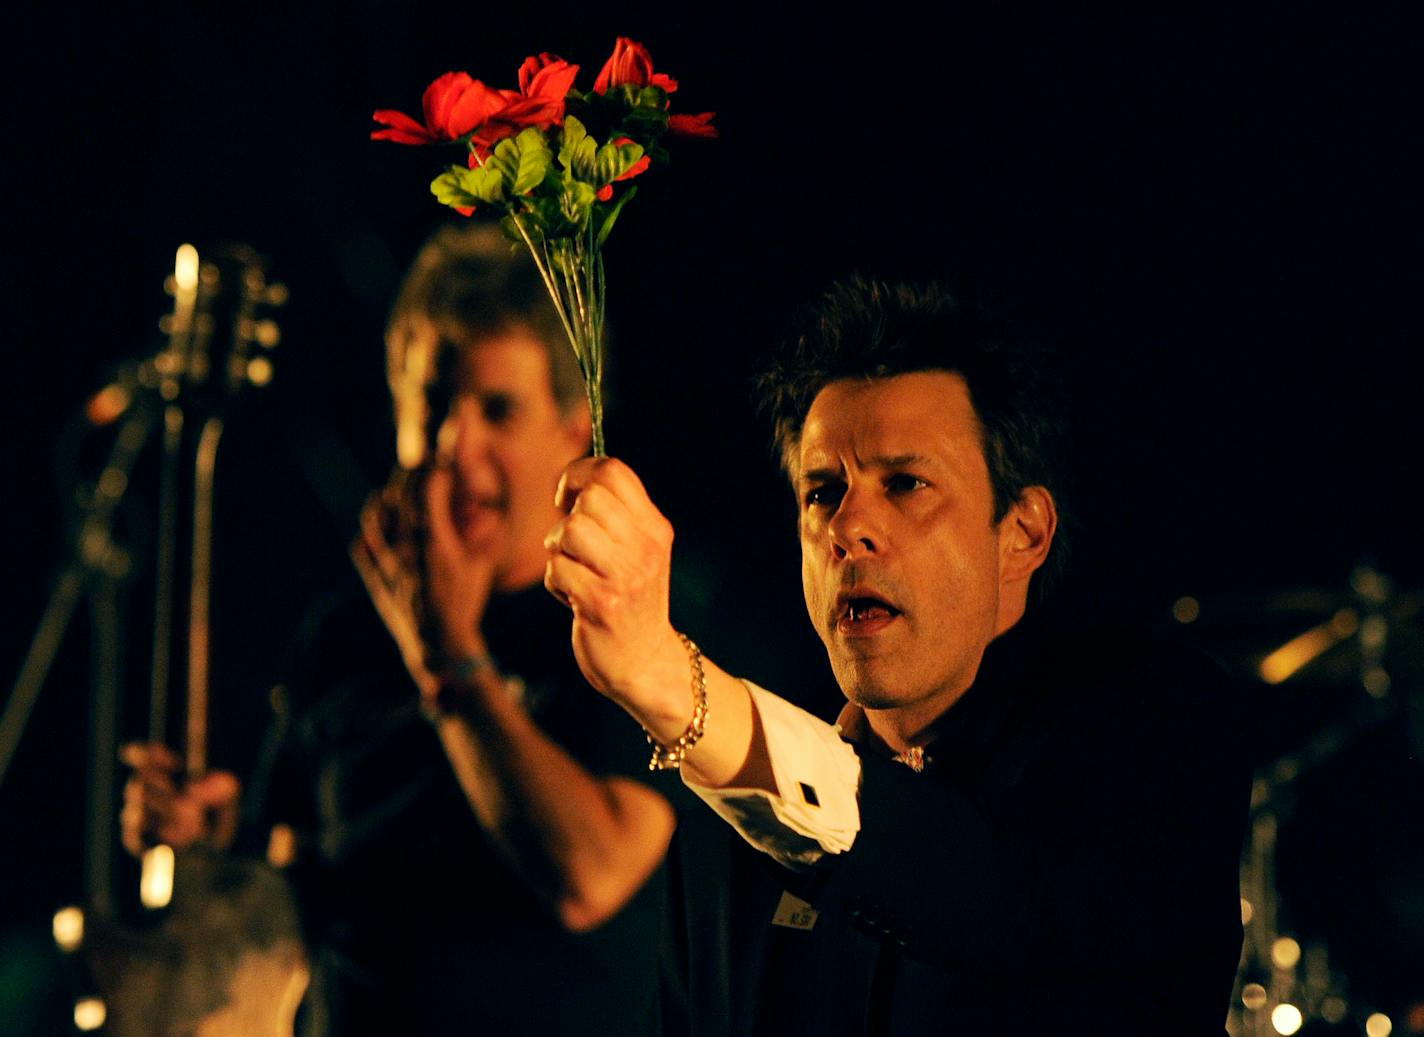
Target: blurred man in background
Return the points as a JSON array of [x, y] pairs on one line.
[[453, 807]]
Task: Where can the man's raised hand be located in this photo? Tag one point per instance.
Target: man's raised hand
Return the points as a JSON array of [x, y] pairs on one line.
[[610, 561]]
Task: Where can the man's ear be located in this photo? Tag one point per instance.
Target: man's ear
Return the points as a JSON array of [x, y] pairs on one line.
[[1026, 534]]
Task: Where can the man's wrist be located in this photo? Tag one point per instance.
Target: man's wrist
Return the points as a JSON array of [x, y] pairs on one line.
[[662, 699], [668, 754]]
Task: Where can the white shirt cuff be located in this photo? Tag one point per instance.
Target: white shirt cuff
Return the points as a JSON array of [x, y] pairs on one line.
[[817, 809]]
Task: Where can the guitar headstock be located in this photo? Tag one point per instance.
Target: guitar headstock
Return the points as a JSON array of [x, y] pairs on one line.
[[221, 330]]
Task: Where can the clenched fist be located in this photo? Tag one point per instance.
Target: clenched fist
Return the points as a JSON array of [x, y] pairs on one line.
[[610, 561]]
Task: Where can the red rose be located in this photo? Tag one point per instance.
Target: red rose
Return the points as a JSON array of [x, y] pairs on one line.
[[692, 125], [547, 79], [454, 105], [631, 63]]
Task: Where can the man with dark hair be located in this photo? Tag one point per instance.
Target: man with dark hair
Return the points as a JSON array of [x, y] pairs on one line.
[[1018, 825], [510, 883]]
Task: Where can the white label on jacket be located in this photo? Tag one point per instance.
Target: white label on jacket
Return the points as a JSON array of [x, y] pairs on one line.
[[794, 913]]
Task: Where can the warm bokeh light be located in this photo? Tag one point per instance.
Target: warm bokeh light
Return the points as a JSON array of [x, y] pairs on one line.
[[1300, 651], [1286, 1019], [1285, 953], [281, 846], [1253, 996], [155, 887], [267, 333], [1378, 1025], [1247, 911], [68, 928], [1333, 1009], [107, 405], [259, 370], [89, 1013], [185, 269], [1186, 610], [1376, 682]]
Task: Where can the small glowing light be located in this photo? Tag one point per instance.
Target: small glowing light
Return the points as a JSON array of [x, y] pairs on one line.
[[1376, 682], [1378, 1025], [90, 1013], [1247, 911], [1346, 622], [1415, 1019], [1253, 996], [1186, 610], [281, 846], [113, 483], [1374, 631], [1370, 584], [259, 370], [1307, 647], [276, 295], [1286, 1019], [185, 269], [1333, 1009], [1285, 952], [155, 884], [267, 333], [68, 928], [106, 405]]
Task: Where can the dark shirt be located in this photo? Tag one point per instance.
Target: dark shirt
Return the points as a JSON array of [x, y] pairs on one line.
[[418, 925], [1067, 863]]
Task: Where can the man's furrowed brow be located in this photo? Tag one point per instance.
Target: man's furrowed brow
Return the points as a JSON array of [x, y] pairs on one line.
[[819, 475], [828, 473], [897, 460]]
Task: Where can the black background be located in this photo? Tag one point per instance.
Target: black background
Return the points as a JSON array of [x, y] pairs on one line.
[[1215, 220]]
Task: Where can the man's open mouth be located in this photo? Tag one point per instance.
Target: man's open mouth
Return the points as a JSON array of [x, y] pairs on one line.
[[863, 612]]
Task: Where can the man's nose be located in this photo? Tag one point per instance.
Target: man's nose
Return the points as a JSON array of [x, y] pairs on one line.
[[464, 435], [856, 528]]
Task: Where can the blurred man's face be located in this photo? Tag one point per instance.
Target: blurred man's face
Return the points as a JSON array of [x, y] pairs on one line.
[[901, 557], [507, 442]]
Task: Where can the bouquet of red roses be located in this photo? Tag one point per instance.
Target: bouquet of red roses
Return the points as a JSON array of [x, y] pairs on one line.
[[555, 162]]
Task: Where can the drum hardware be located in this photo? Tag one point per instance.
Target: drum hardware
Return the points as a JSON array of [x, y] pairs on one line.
[[1282, 985]]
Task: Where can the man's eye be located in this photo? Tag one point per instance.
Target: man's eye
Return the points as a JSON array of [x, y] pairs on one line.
[[823, 496], [903, 482], [497, 409]]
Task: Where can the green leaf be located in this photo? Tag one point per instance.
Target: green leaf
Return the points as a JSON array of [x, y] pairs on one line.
[[574, 135], [645, 124], [616, 159], [512, 232], [534, 160], [451, 188], [604, 217], [548, 213], [650, 97], [504, 160], [578, 152], [486, 183], [577, 203]]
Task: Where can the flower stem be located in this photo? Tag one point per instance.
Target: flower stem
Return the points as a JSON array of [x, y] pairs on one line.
[[580, 311]]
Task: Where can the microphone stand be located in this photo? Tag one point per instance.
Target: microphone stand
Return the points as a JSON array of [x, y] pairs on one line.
[[95, 567]]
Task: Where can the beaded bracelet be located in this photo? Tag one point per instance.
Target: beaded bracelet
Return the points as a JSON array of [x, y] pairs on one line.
[[670, 757], [456, 692]]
